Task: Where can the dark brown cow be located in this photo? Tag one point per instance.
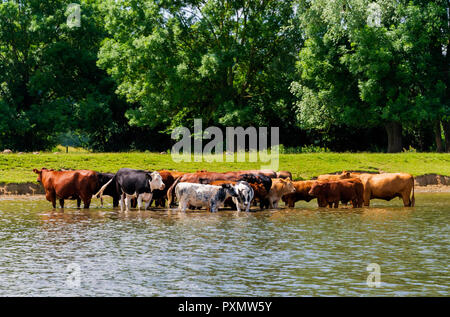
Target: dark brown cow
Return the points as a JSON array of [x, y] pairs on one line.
[[332, 192], [388, 186], [77, 184], [302, 189]]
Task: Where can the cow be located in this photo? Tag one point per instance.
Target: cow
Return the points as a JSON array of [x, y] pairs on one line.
[[332, 192], [261, 186], [77, 184], [131, 183], [301, 193], [245, 194], [284, 174], [388, 186], [201, 195], [280, 187]]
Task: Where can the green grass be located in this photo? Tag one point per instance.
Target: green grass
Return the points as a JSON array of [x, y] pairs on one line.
[[18, 168]]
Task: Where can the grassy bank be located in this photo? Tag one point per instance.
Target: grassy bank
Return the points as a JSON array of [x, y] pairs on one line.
[[18, 168]]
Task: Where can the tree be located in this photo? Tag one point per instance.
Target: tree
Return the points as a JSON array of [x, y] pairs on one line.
[[362, 65], [48, 72]]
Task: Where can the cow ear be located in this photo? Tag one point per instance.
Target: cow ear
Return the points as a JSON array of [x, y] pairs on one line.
[[36, 171], [225, 185], [148, 175]]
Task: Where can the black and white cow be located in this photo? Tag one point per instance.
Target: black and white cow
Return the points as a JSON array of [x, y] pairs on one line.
[[244, 197], [200, 195], [131, 183]]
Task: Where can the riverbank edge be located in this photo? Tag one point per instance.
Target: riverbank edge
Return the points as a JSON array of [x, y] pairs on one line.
[[428, 183]]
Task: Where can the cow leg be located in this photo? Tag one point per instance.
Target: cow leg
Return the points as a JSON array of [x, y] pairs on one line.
[[147, 204], [61, 203], [51, 197], [139, 202], [213, 207], [336, 204], [127, 203], [86, 203], [291, 203], [182, 205], [366, 197], [78, 202], [275, 204], [115, 202], [133, 202], [406, 200], [122, 201], [238, 205]]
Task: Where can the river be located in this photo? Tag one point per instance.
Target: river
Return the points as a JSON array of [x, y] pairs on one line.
[[304, 251]]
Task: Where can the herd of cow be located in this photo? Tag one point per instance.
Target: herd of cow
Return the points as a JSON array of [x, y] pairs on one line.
[[240, 189]]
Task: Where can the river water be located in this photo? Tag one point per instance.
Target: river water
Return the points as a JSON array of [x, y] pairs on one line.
[[304, 251]]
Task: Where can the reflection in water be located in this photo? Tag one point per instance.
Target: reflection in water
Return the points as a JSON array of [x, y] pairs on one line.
[[286, 252]]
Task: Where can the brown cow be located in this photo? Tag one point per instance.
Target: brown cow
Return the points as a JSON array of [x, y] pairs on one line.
[[168, 178], [388, 186], [331, 192], [280, 187], [301, 193], [77, 184]]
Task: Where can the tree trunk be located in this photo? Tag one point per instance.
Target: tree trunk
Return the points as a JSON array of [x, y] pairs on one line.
[[437, 135], [446, 126], [394, 132]]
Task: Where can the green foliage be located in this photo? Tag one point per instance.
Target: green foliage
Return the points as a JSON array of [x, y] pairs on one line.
[[228, 62], [46, 67], [134, 69]]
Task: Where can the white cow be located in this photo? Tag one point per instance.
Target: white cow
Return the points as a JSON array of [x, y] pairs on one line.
[[200, 195], [245, 195]]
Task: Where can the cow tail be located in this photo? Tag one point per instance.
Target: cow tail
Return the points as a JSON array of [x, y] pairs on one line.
[[100, 192], [170, 191], [413, 200]]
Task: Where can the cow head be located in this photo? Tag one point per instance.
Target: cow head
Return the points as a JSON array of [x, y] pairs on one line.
[[155, 181], [317, 189], [230, 190], [288, 186], [244, 191]]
